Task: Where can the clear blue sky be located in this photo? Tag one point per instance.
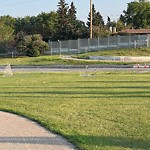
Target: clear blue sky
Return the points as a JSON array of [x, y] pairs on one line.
[[21, 8]]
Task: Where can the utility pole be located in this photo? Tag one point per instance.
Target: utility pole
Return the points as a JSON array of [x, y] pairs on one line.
[[91, 20]]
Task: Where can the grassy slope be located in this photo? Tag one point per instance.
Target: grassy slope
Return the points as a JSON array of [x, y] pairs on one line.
[[43, 60], [55, 60], [120, 52], [106, 111]]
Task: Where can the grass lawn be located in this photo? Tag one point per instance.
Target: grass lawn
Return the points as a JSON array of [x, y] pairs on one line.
[[108, 111]]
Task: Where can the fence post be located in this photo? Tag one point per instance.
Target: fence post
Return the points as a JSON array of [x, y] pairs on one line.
[[88, 45], [129, 41], [139, 41], [118, 41], [51, 44], [50, 47], [85, 41], [98, 43], [148, 40], [108, 42], [68, 47], [12, 55], [78, 46], [135, 44], [59, 48]]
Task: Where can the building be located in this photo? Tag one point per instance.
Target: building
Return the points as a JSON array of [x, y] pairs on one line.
[[133, 32]]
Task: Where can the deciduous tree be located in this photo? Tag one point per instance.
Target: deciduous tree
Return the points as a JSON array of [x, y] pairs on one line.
[[138, 14]]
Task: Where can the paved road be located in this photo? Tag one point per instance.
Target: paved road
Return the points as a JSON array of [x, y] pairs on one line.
[[18, 133], [73, 69]]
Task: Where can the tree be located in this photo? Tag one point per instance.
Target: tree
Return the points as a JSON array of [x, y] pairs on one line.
[[23, 25], [32, 45], [47, 25], [137, 14], [97, 18], [120, 25], [100, 32], [82, 31], [72, 21], [72, 12], [6, 32], [62, 28], [97, 22], [8, 20], [6, 35]]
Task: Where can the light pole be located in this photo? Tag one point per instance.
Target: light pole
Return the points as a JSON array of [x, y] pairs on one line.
[[91, 19]]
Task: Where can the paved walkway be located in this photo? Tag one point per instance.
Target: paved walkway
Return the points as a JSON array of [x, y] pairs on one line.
[[18, 133]]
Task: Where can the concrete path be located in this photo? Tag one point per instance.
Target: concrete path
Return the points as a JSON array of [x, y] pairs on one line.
[[18, 133]]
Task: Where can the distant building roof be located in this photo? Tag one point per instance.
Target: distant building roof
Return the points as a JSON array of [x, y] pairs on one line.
[[135, 31]]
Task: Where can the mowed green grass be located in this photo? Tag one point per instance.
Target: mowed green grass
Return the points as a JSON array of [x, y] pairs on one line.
[[108, 111]]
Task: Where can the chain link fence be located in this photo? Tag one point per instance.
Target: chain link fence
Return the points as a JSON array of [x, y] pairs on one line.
[[87, 45], [106, 43]]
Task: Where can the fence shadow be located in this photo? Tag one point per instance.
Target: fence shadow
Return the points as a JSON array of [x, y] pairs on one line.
[[32, 140], [122, 142]]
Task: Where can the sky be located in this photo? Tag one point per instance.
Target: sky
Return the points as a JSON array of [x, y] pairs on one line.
[[21, 8]]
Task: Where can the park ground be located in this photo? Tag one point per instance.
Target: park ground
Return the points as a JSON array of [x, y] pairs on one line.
[[106, 110]]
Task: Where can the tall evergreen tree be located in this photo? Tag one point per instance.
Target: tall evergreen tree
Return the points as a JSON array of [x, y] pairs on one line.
[[97, 18], [72, 21], [72, 12], [62, 29], [97, 22]]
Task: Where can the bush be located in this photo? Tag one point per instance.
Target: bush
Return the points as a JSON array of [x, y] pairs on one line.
[[33, 53], [32, 45]]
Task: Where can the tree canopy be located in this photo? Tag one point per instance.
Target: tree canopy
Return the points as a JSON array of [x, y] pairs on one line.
[[137, 14]]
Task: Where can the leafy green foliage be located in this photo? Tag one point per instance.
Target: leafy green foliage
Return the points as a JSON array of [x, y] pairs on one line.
[[138, 14], [6, 35], [32, 45], [47, 25], [6, 32]]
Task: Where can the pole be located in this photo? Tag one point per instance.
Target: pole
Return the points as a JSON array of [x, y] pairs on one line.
[[91, 20]]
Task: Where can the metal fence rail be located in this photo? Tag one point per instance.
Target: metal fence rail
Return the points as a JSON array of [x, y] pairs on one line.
[[95, 44]]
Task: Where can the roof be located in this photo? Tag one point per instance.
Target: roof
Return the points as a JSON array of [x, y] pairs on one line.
[[136, 31]]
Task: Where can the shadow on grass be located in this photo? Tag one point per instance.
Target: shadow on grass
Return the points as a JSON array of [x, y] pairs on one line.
[[79, 94], [117, 81], [122, 142]]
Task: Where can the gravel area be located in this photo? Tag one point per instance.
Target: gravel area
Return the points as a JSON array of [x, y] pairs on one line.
[[18, 133]]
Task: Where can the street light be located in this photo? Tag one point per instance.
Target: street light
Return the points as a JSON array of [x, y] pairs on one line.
[[91, 19]]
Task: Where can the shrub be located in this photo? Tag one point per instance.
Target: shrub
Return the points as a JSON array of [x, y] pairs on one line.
[[32, 45], [33, 53]]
